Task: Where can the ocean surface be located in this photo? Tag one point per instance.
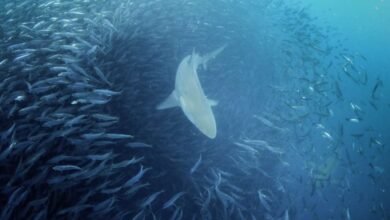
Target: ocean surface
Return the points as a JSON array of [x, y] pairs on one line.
[[194, 109]]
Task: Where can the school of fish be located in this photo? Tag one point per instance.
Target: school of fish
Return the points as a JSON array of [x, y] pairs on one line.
[[81, 138]]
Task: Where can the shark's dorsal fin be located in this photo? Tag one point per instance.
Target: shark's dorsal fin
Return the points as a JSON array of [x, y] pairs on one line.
[[169, 102]]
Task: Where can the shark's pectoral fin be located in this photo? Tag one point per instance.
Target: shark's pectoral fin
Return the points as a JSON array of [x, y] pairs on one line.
[[212, 102], [169, 102]]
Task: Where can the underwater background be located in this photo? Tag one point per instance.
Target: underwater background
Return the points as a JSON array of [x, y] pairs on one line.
[[302, 94]]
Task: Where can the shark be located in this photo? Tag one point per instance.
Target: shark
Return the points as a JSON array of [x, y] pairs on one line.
[[189, 95]]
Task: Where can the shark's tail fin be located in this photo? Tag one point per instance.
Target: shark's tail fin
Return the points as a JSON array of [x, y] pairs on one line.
[[203, 60]]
